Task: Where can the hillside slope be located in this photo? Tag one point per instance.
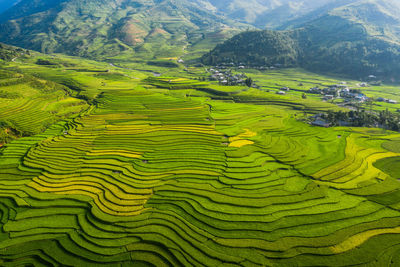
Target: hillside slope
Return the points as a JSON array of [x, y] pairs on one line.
[[8, 53], [357, 39], [96, 28]]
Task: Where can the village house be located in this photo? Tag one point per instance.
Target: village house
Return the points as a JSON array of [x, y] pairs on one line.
[[321, 123], [390, 101], [226, 77], [339, 91], [328, 97], [315, 90], [317, 120]]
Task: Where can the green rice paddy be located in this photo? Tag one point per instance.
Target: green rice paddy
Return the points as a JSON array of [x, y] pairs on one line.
[[159, 172]]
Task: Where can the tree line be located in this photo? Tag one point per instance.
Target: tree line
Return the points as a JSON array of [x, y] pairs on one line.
[[362, 118]]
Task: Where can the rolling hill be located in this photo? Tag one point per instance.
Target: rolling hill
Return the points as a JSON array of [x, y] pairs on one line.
[[357, 39]]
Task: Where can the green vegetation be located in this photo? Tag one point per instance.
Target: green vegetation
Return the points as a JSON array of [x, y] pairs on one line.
[[355, 40], [257, 48], [177, 170], [383, 119], [392, 146], [143, 160], [119, 30], [29, 105], [293, 49], [8, 53], [389, 165]]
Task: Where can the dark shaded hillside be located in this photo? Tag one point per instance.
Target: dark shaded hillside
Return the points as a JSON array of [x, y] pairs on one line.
[[258, 48], [329, 44]]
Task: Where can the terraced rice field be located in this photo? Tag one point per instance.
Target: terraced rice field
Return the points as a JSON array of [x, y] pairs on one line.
[[145, 178], [31, 105]]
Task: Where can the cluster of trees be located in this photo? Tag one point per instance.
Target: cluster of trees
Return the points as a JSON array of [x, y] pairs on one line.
[[9, 95], [362, 118], [163, 63], [45, 62], [249, 82], [9, 132]]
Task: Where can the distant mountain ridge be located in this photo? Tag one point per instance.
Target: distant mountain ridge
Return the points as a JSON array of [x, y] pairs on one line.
[[356, 39], [104, 28], [265, 13]]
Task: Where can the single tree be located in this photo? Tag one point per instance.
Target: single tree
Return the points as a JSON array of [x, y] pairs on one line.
[[249, 82]]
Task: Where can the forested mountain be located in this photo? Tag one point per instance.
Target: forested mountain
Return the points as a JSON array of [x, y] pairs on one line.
[[95, 28], [359, 39]]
